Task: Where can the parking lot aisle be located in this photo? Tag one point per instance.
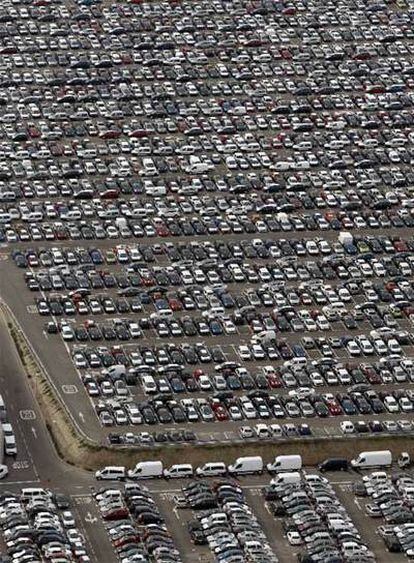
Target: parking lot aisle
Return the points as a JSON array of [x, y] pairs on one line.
[[176, 521], [93, 528], [272, 527], [366, 526]]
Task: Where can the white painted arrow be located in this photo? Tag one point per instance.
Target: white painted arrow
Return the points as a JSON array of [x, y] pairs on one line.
[[34, 432], [81, 417], [91, 519]]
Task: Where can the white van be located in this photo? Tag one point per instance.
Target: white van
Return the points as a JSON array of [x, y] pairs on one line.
[[368, 460], [156, 191], [111, 473], [117, 370], [265, 336], [179, 470], [246, 465], [285, 463], [148, 384], [212, 469], [197, 168], [33, 216], [289, 478], [146, 470], [162, 314], [296, 363], [35, 493]]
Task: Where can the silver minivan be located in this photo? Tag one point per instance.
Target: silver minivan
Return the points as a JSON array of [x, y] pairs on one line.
[[178, 471]]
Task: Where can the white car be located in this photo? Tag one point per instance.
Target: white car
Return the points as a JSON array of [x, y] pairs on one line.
[[248, 410], [204, 383], [229, 327], [353, 348], [394, 346], [68, 520], [366, 346], [405, 404], [258, 352], [380, 346], [246, 432], [294, 538], [235, 413], [10, 447], [244, 353], [347, 427], [80, 360], [134, 414], [391, 404], [67, 333]]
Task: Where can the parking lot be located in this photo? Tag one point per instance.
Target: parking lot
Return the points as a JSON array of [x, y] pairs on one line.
[[206, 215], [110, 515]]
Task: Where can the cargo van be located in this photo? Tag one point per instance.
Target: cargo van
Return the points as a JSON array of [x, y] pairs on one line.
[[35, 493], [111, 473], [368, 460], [162, 314], [246, 465], [265, 336], [156, 191], [212, 469], [146, 470], [285, 463], [296, 364], [178, 471], [117, 371], [197, 168], [334, 464], [288, 478]]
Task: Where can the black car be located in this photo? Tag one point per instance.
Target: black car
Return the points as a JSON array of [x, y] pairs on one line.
[[196, 532]]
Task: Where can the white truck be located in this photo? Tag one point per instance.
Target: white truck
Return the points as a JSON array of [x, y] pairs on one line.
[[146, 470], [283, 463], [369, 460], [288, 478], [246, 465]]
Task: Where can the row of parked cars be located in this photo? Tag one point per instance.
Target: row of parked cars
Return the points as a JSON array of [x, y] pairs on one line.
[[227, 525], [37, 525], [270, 221], [262, 405], [389, 497], [286, 467], [316, 521], [204, 250], [135, 525]]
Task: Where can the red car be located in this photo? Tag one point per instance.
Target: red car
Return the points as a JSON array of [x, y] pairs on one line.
[[274, 381], [221, 413], [175, 304], [334, 408], [115, 514]]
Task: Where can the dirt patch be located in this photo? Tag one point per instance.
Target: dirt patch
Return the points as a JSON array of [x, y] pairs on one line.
[[76, 450]]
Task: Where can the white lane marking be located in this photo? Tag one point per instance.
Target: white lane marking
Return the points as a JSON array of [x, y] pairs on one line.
[[27, 414]]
